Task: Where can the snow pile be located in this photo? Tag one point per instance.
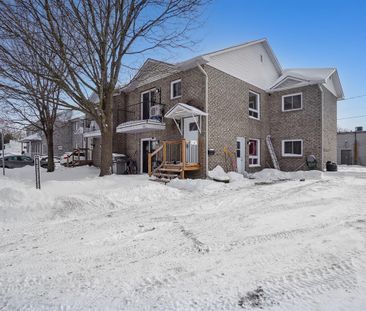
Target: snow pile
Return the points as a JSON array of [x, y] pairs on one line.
[[218, 174], [272, 175], [13, 147]]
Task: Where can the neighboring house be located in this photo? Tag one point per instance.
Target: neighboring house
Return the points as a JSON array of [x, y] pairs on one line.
[[31, 145], [68, 135], [224, 104], [351, 147]]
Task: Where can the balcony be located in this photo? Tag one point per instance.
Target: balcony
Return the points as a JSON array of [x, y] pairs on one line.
[[144, 117], [91, 131]]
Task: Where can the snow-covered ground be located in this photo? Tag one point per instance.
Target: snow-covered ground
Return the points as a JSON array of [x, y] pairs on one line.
[[126, 243]]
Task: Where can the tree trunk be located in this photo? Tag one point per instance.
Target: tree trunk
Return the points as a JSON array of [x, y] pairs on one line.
[[50, 153], [106, 130]]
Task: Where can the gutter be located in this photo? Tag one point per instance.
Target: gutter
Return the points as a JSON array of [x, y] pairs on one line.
[[322, 105], [206, 110]]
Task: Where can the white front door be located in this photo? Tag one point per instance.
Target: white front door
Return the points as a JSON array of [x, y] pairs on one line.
[[191, 136], [240, 154]]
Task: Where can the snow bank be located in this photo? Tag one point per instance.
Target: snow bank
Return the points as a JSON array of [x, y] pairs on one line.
[[269, 175], [218, 174]]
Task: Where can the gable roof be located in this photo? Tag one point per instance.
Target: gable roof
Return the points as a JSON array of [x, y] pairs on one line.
[[297, 77], [253, 62], [153, 70], [262, 41]]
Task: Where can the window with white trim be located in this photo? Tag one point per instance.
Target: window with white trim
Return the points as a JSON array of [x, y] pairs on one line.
[[254, 152], [254, 105], [176, 89], [292, 148], [292, 102]]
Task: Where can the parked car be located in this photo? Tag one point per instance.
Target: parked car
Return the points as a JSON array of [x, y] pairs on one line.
[[44, 161], [71, 157], [16, 161]]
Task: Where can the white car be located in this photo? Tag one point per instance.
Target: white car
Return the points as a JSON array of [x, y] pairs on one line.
[[71, 157]]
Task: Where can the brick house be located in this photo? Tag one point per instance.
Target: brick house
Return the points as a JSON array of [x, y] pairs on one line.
[[219, 109]]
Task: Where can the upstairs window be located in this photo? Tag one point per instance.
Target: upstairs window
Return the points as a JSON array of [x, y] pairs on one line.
[[254, 104], [292, 148], [292, 102], [254, 152], [176, 89]]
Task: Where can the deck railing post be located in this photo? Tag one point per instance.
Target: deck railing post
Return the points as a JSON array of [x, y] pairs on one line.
[[164, 151], [183, 153], [149, 166]]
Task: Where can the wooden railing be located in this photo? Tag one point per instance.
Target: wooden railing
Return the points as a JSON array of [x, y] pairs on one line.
[[174, 152], [156, 155]]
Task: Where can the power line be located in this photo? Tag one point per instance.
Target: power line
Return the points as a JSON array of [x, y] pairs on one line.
[[353, 97], [354, 117]]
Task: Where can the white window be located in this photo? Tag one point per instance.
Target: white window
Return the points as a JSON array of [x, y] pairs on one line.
[[254, 152], [254, 105], [292, 148], [176, 89], [292, 102]]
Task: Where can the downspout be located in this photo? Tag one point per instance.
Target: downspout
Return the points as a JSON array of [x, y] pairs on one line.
[[206, 110], [322, 126]]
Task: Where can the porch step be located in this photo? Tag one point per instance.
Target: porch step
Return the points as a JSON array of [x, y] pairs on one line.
[[168, 176], [174, 170], [162, 180]]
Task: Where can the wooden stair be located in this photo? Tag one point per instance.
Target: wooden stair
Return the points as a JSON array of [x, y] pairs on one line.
[[166, 172]]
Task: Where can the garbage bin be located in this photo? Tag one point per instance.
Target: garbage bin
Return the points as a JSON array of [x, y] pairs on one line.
[[120, 164], [331, 166]]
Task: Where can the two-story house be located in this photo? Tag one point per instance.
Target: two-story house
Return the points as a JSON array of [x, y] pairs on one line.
[[227, 108], [68, 134]]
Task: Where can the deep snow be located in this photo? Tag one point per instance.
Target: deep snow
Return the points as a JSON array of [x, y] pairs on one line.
[[123, 242]]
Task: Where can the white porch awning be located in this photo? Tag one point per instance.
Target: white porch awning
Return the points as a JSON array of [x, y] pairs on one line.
[[95, 133], [140, 126], [32, 137], [180, 111]]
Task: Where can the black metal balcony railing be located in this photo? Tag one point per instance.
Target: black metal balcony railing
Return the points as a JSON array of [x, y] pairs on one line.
[[141, 111]]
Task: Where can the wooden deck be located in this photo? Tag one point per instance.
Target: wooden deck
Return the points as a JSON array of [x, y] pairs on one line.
[[171, 167]]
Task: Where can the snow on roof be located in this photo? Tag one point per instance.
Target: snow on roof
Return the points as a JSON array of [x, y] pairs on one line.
[[69, 115], [166, 69], [307, 76], [32, 137], [242, 61], [313, 74]]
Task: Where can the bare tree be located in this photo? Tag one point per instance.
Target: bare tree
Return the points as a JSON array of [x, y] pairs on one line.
[[28, 98], [92, 39]]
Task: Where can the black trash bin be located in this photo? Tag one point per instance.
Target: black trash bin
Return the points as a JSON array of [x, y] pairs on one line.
[[120, 165], [331, 166]]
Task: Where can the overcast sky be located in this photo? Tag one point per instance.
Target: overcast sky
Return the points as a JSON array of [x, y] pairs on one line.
[[311, 33]]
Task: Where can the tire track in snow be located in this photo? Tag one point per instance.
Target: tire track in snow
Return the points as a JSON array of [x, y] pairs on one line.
[[197, 244], [281, 235], [308, 282]]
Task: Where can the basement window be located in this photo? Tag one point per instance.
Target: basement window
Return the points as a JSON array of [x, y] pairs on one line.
[[292, 148], [254, 105], [292, 102], [254, 152]]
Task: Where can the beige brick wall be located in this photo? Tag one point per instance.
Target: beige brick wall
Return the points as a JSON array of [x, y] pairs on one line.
[[193, 93], [305, 124], [229, 118]]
